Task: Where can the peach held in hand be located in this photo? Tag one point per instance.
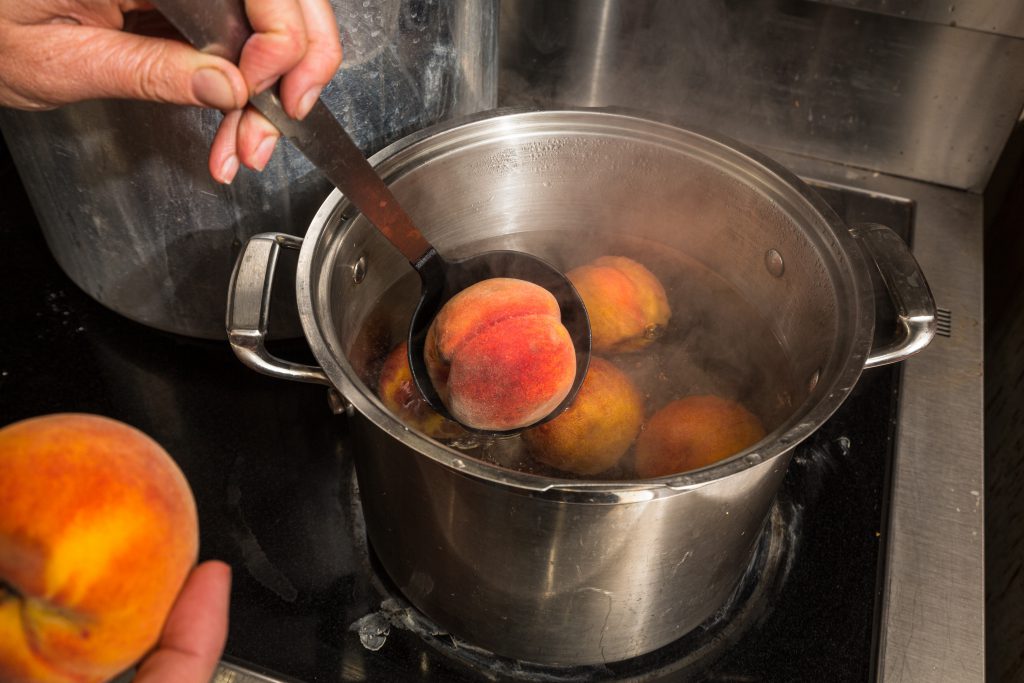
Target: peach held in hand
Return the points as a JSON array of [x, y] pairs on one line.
[[596, 429], [98, 532], [402, 397], [693, 432], [499, 356], [626, 303]]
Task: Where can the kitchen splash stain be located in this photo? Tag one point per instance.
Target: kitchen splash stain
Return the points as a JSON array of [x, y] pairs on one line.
[[253, 556]]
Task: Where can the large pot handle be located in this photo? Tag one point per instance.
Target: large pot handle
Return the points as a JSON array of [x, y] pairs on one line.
[[908, 289], [249, 309]]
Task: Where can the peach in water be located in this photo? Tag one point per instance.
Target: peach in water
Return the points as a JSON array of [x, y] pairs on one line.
[[597, 429], [626, 303], [694, 432], [402, 397]]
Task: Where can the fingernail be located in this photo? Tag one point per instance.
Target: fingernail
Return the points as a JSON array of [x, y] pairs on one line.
[[211, 87], [264, 85], [307, 101], [228, 169], [263, 151]]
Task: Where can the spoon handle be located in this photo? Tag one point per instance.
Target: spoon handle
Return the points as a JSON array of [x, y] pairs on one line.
[[220, 27], [324, 142]]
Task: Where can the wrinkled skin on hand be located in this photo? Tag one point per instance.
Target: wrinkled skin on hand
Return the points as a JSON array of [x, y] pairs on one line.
[[55, 52]]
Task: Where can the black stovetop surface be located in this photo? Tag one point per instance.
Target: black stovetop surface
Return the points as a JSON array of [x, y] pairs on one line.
[[274, 487]]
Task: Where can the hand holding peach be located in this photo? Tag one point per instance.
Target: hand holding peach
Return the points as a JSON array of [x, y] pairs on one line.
[[98, 532], [499, 356], [195, 631]]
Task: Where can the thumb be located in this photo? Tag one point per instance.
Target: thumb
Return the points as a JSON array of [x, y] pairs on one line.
[[85, 62]]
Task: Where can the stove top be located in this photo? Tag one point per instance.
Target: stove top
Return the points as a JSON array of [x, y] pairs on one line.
[[278, 500]]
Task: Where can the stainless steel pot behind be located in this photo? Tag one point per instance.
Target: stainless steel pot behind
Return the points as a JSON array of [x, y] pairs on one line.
[[128, 207], [565, 571]]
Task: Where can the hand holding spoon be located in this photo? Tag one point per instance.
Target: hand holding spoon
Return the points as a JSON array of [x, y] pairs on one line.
[[221, 27]]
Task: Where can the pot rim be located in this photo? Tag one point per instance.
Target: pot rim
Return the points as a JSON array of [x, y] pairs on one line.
[[392, 160]]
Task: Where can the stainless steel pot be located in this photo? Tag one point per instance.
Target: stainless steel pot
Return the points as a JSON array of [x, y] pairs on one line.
[[567, 571], [128, 208]]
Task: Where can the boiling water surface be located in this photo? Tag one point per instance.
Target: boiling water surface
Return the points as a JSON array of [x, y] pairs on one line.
[[714, 343]]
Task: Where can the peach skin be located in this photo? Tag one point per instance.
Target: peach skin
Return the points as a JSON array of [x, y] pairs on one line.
[[98, 532], [693, 432], [499, 356], [597, 428], [402, 397], [626, 303]]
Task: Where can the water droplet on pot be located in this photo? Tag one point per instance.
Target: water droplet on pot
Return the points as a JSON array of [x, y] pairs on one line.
[[653, 331], [468, 442], [813, 381], [359, 270]]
